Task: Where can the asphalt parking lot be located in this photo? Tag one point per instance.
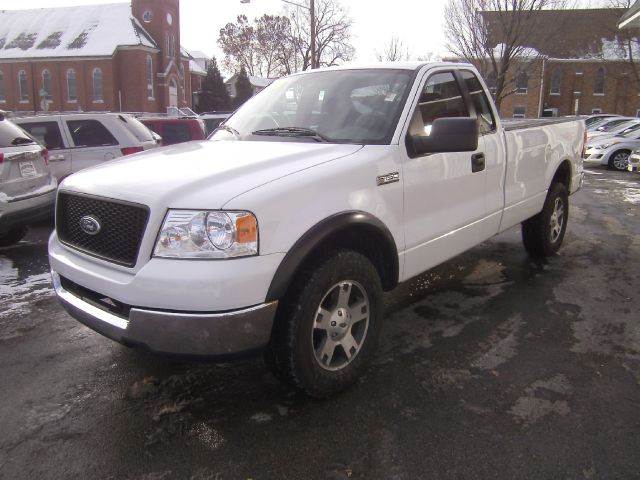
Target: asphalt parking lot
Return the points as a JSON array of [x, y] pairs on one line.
[[491, 366]]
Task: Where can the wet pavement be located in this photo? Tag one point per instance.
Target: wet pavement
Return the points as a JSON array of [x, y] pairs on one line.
[[490, 366]]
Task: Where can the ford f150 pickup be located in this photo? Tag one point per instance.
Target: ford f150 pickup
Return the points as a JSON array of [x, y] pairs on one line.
[[281, 232]]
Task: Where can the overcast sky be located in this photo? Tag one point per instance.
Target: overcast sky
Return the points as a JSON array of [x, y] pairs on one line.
[[418, 23]]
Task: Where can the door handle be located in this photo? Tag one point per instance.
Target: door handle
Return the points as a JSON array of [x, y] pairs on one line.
[[477, 162], [56, 158]]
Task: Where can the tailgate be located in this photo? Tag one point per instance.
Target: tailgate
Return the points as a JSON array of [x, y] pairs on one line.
[[23, 171]]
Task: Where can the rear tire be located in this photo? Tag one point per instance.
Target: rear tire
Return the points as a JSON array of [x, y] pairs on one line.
[[542, 234], [13, 236], [619, 160], [327, 325]]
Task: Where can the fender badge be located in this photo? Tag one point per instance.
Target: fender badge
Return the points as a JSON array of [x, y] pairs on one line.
[[388, 178]]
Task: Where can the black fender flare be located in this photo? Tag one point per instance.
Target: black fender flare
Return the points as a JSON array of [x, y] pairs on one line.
[[320, 232]]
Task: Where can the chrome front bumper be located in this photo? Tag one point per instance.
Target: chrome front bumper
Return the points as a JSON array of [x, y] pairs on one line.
[[180, 333]]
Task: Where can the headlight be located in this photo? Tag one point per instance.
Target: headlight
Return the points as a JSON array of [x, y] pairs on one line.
[[207, 234]]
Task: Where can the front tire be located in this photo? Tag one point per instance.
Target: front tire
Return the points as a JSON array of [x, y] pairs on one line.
[[327, 325], [542, 234], [619, 160]]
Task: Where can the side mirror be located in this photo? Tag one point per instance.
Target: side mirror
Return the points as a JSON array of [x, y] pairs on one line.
[[458, 134]]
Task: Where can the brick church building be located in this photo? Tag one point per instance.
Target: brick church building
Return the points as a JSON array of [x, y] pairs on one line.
[[113, 57]]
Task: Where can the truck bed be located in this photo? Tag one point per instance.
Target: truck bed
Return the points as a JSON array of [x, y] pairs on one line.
[[521, 123]]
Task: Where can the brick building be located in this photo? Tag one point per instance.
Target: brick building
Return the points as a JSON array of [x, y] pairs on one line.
[[114, 57], [583, 65]]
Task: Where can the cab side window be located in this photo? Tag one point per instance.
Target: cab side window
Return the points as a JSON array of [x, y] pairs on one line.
[[486, 122], [440, 97]]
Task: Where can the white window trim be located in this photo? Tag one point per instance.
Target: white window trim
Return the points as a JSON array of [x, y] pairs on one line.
[[598, 94], [596, 111]]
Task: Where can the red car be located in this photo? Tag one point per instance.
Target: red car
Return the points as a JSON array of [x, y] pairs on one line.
[[174, 129]]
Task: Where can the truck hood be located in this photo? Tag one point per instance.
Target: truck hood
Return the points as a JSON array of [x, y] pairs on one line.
[[203, 174]]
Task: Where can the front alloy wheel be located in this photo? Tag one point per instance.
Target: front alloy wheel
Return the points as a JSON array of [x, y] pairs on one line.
[[341, 325], [326, 327]]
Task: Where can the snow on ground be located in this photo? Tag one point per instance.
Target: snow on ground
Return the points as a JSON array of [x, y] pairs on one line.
[[18, 296]]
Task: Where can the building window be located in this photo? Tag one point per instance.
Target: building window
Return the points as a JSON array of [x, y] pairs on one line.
[[598, 88], [184, 83], [596, 110], [171, 45], [46, 85], [556, 80], [98, 95], [519, 112], [149, 77], [637, 113], [522, 83], [72, 90], [23, 88], [2, 96]]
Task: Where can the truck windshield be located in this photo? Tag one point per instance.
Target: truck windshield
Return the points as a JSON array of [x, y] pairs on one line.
[[340, 106]]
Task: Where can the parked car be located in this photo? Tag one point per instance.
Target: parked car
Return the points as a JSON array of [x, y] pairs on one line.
[[612, 151], [80, 140], [282, 231], [212, 120], [607, 124], [591, 119], [175, 129], [27, 188], [634, 161], [611, 129]]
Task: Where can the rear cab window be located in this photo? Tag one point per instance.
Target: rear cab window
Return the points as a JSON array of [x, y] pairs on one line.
[[176, 133], [486, 121], [90, 133]]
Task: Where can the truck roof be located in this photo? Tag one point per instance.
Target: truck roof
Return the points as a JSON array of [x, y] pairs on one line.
[[414, 65]]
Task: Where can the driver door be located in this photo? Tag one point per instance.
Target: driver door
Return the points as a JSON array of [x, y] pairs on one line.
[[444, 193]]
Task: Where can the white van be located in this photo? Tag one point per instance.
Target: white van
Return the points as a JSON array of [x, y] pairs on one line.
[[80, 140]]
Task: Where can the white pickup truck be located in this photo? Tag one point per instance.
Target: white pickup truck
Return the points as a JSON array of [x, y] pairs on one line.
[[281, 232]]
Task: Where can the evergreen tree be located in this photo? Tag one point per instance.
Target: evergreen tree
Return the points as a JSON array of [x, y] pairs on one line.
[[214, 95], [243, 88]]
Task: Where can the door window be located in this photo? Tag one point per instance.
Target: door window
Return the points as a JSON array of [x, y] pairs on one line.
[[47, 133], [90, 133], [440, 98]]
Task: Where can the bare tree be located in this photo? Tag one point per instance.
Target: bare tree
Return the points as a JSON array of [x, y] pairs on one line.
[[333, 35], [279, 45], [394, 51], [259, 46], [628, 39], [493, 35]]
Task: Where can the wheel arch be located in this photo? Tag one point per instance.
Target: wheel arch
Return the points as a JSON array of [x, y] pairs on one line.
[[355, 230], [563, 174]]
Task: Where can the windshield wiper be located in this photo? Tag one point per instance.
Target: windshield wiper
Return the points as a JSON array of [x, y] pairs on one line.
[[292, 132], [21, 141], [229, 129]]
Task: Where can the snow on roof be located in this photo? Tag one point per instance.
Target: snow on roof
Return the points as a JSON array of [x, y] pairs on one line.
[[90, 30], [194, 67], [198, 54]]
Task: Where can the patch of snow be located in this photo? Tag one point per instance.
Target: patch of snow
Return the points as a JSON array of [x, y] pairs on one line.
[[90, 30]]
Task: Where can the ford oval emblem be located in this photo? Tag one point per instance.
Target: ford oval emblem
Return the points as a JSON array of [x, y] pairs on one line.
[[90, 225]]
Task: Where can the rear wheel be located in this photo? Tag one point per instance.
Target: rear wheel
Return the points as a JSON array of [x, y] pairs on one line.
[[327, 325], [542, 234], [12, 236], [619, 160]]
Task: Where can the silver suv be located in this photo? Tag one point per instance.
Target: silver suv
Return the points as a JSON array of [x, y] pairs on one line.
[[27, 188], [80, 140]]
